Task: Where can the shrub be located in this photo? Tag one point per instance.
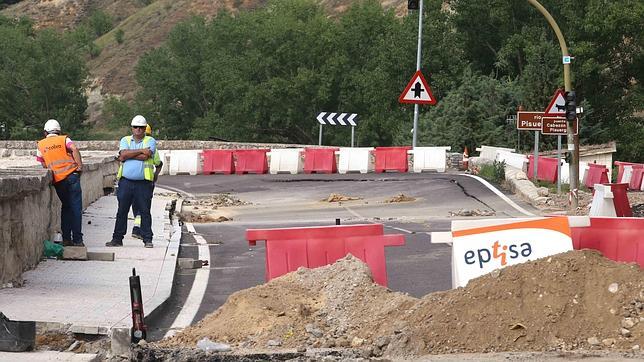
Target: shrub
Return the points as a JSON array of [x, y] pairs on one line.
[[494, 172], [118, 35]]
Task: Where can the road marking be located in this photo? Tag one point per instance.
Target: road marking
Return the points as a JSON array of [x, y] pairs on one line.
[[197, 291], [191, 228], [501, 195], [401, 229]]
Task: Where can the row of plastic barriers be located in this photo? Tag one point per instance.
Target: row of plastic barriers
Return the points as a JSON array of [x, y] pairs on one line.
[[288, 249], [304, 160], [589, 175], [631, 174]]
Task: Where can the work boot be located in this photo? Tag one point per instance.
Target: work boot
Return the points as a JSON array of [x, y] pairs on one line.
[[68, 243], [136, 235], [114, 243], [148, 244], [79, 244]]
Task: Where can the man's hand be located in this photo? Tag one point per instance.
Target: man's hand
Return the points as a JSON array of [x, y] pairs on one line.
[[147, 152]]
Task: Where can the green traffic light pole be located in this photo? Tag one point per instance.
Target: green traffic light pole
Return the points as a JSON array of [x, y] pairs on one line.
[[573, 140]]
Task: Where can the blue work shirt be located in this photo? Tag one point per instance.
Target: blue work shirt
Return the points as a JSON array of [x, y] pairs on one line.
[[132, 168]]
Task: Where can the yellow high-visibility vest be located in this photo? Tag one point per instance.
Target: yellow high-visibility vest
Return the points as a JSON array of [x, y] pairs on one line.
[[148, 165]]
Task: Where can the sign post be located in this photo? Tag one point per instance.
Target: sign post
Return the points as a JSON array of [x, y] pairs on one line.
[[531, 121], [557, 126], [339, 119]]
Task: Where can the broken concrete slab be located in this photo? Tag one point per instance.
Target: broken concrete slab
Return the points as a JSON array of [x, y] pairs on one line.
[[16, 336], [100, 256], [189, 263], [75, 253], [121, 341]]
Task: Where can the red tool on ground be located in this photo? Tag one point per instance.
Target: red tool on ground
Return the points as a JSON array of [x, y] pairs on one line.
[[139, 330]]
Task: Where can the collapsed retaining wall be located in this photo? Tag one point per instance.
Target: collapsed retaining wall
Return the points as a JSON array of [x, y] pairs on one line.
[[30, 211]]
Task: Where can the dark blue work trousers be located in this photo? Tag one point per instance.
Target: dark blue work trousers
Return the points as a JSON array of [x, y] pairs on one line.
[[137, 229], [71, 213], [139, 194]]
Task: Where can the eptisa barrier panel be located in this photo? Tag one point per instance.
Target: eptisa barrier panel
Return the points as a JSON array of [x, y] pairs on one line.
[[481, 246], [287, 249]]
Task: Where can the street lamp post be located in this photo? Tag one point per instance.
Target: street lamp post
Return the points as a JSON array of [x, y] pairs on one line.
[[420, 44], [573, 140]]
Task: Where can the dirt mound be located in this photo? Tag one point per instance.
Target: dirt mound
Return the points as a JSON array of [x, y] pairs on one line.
[[400, 198], [339, 197], [569, 301]]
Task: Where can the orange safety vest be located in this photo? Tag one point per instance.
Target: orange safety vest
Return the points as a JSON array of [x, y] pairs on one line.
[[54, 152]]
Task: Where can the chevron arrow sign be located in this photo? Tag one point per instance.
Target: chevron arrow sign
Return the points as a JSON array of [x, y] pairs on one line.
[[337, 119]]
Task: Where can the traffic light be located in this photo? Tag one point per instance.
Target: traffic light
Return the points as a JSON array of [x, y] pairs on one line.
[[571, 106], [412, 4]]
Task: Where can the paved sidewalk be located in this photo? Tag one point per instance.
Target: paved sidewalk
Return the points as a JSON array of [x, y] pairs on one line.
[[93, 297]]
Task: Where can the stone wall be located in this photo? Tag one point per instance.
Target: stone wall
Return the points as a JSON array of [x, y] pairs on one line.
[[30, 211], [24, 148]]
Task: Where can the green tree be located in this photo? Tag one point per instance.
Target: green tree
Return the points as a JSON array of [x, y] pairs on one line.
[[100, 22], [472, 114], [41, 77]]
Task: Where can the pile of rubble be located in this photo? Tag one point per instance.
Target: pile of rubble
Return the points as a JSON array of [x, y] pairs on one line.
[[207, 209], [571, 301]]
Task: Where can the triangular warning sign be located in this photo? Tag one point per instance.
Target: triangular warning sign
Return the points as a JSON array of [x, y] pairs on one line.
[[557, 106], [417, 91]]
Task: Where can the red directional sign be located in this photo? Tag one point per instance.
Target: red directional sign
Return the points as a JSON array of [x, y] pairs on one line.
[[417, 91]]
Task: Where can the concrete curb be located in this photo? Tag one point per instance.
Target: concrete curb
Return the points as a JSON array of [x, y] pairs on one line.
[[172, 233]]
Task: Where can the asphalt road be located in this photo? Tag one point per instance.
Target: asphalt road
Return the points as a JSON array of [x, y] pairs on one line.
[[417, 268]]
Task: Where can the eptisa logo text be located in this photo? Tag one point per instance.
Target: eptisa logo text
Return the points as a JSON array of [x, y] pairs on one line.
[[497, 251]]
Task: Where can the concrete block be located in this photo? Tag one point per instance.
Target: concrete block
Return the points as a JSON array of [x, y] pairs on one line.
[[189, 263], [121, 341], [100, 256], [75, 253]]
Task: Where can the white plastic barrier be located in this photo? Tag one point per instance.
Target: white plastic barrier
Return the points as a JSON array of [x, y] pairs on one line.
[[515, 160], [602, 204], [355, 159], [186, 162], [165, 158], [429, 158], [565, 172], [626, 176], [285, 160], [489, 152]]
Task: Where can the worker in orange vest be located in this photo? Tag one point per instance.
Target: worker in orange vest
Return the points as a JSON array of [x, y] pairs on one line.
[[58, 153]]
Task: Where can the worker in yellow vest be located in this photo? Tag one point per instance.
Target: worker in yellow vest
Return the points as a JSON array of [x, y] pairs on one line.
[[158, 164], [58, 153], [135, 181]]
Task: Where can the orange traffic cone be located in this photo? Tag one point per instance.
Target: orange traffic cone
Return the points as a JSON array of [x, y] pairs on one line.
[[466, 157]]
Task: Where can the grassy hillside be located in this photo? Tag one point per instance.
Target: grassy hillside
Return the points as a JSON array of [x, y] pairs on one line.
[[143, 24]]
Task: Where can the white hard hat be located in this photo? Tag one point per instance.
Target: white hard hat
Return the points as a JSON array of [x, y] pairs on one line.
[[52, 125], [139, 120]]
